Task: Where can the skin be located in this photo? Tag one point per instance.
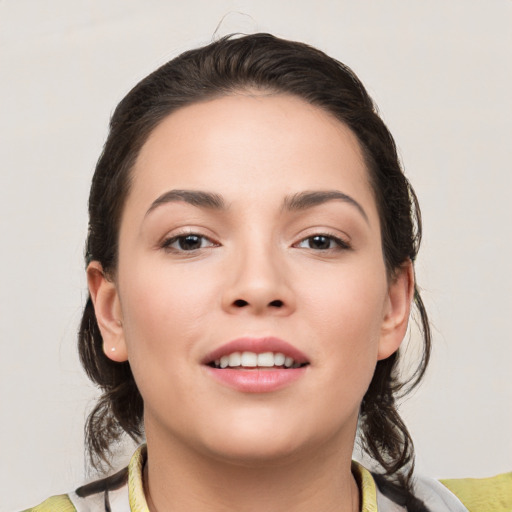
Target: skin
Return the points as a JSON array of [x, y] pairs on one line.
[[258, 272]]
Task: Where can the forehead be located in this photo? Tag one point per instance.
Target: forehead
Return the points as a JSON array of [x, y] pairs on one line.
[[249, 144]]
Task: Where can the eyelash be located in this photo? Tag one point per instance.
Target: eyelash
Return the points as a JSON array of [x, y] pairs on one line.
[[340, 244], [168, 243]]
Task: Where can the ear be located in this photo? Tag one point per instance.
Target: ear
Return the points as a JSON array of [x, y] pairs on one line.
[[108, 312], [397, 310]]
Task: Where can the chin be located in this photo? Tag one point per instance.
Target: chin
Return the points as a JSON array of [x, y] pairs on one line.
[[256, 452], [259, 441]]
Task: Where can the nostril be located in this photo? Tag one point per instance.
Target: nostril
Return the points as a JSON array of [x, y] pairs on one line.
[[241, 303]]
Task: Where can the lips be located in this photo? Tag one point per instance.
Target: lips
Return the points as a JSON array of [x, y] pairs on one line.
[[256, 352], [256, 365]]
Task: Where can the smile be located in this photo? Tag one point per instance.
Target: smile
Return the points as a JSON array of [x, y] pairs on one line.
[[254, 360], [256, 365]]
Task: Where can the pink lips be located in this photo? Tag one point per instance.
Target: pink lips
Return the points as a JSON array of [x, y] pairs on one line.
[[259, 346], [256, 380]]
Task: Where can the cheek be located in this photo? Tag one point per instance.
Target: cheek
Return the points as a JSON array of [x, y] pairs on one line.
[[345, 316], [163, 307], [346, 301], [165, 313]]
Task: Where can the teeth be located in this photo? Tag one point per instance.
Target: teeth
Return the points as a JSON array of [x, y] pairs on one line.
[[253, 360], [266, 359], [249, 359], [279, 359], [235, 359]]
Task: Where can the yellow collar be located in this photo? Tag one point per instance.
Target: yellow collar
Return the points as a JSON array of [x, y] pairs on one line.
[[135, 483]]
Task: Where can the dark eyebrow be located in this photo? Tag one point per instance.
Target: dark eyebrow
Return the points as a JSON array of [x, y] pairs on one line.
[[309, 199], [197, 198]]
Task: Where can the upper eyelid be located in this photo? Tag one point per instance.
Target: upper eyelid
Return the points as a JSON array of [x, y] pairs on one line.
[[167, 244], [188, 233], [342, 241], [173, 236], [189, 230], [324, 231]]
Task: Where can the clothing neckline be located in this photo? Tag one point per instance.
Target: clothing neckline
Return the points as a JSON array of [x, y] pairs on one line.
[[138, 503]]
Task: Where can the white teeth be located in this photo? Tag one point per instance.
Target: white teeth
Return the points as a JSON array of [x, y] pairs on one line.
[[266, 359], [279, 359], [249, 359], [235, 359], [253, 360]]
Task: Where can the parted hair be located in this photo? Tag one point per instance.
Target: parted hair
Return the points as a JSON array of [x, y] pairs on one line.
[[227, 66]]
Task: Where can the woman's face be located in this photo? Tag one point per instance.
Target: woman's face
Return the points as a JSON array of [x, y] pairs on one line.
[[251, 229]]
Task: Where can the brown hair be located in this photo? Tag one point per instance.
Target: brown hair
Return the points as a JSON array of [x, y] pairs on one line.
[[258, 61]]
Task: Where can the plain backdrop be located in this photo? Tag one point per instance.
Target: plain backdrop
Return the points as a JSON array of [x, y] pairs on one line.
[[441, 73]]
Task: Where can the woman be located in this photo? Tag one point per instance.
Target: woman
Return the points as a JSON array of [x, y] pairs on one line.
[[250, 268]]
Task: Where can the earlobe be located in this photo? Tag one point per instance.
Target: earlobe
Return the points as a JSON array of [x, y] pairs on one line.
[[397, 310], [108, 312]]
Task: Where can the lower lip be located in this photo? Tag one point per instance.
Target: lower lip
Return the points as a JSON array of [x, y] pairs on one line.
[[256, 380]]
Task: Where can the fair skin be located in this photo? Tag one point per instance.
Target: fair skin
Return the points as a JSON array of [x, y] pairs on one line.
[[268, 257]]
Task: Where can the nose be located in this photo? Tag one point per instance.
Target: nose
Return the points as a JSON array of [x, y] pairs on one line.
[[259, 283]]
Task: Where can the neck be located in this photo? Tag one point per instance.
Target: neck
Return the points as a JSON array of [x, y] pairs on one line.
[[180, 479]]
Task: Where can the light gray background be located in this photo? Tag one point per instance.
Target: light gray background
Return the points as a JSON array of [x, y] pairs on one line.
[[441, 72]]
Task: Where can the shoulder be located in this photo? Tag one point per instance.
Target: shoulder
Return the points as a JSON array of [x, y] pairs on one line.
[[106, 495], [109, 494], [455, 495], [119, 492], [60, 503], [483, 494]]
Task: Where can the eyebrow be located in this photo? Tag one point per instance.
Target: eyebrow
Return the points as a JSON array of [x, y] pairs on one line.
[[309, 199], [197, 198], [299, 201]]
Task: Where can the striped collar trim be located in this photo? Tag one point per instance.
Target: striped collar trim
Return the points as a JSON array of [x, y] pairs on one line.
[[136, 494], [367, 487]]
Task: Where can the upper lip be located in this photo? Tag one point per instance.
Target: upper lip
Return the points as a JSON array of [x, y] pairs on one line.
[[258, 346]]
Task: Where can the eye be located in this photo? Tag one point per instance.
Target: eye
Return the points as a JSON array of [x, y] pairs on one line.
[[188, 242], [322, 243]]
